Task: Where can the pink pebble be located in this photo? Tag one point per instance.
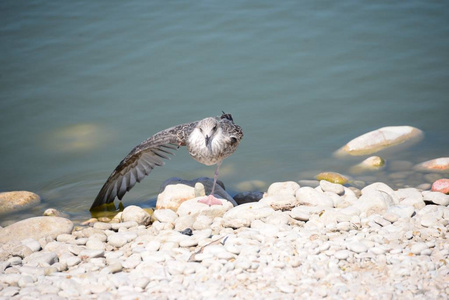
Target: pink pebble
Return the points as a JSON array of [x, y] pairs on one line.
[[441, 185]]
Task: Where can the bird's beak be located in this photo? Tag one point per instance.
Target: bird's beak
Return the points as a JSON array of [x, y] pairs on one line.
[[207, 140]]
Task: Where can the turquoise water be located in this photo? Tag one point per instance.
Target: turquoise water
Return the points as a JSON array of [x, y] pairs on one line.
[[83, 82]]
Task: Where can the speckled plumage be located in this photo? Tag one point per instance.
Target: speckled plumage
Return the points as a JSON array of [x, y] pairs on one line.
[[208, 141]]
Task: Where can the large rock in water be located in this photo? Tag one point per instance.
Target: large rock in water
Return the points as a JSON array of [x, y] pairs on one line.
[[16, 201], [35, 228], [380, 139], [435, 165]]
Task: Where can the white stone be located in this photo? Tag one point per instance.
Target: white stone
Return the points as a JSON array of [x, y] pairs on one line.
[[382, 187], [436, 197], [36, 228], [174, 195], [165, 215], [280, 202], [287, 188], [91, 253], [309, 196], [335, 188], [402, 211], [194, 208], [184, 222], [418, 248], [32, 244], [357, 247], [136, 214], [95, 244], [41, 259], [244, 214], [342, 254], [374, 202], [299, 214], [117, 240], [429, 220], [202, 222], [380, 139]]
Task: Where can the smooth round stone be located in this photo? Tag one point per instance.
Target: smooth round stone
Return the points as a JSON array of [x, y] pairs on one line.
[[102, 226], [436, 197], [441, 185], [165, 215], [418, 248], [332, 177], [429, 220], [25, 280], [283, 188], [298, 214], [265, 229], [342, 254], [132, 261], [391, 217], [382, 187], [73, 261], [330, 187], [173, 195], [310, 196], [244, 214], [202, 222], [136, 214], [403, 211], [357, 247], [36, 228], [41, 258], [117, 240], [17, 201], [91, 253], [95, 244], [370, 164], [438, 165], [380, 139], [377, 250], [32, 244], [184, 222], [373, 202]]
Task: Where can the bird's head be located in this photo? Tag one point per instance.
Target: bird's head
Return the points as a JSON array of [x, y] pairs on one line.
[[208, 128]]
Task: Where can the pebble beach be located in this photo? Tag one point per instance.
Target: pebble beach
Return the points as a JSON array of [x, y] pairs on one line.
[[395, 247], [326, 238]]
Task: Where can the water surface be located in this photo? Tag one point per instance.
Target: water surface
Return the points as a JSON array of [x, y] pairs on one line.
[[81, 83]]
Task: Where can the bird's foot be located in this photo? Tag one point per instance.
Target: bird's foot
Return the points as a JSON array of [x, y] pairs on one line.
[[210, 200]]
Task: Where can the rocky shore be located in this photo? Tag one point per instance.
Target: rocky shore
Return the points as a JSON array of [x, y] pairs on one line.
[[324, 238], [328, 241]]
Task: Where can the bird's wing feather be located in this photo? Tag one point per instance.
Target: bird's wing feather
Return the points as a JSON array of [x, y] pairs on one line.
[[141, 161]]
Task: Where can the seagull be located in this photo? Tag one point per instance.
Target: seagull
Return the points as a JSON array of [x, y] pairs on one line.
[[209, 141]]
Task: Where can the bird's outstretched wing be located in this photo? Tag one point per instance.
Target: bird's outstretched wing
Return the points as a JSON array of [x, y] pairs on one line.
[[141, 161]]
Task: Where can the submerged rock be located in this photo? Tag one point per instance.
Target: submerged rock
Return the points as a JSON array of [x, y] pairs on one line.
[[35, 228], [380, 139], [17, 201], [332, 177], [435, 165], [372, 163]]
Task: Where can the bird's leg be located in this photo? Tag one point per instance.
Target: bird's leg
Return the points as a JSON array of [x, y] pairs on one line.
[[211, 199]]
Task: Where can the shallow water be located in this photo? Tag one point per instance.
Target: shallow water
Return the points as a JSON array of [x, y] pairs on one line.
[[83, 82]]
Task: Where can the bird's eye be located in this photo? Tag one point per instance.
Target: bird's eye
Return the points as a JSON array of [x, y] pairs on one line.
[[215, 128], [233, 140]]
